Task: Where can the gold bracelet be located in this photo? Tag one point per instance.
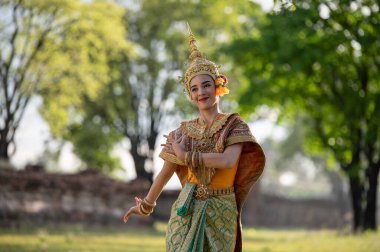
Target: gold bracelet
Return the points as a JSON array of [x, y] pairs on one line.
[[203, 168], [200, 161], [147, 207], [149, 211], [186, 155], [193, 159], [197, 160], [152, 205], [188, 161], [143, 211]]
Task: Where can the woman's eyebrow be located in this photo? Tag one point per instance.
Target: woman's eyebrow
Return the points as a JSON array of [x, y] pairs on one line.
[[204, 82]]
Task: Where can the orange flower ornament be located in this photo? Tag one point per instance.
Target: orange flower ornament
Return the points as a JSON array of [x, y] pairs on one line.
[[221, 85]]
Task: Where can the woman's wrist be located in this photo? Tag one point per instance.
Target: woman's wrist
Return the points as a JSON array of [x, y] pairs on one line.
[[146, 207]]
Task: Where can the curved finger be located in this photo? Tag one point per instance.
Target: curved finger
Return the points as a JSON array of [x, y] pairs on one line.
[[126, 216], [179, 139]]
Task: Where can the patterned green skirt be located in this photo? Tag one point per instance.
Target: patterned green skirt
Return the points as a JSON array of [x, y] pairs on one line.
[[208, 225]]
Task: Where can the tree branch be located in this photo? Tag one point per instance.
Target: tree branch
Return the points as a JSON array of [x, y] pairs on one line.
[[23, 71], [27, 39], [8, 62]]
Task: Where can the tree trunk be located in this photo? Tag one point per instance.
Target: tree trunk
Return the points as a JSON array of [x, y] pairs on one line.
[[370, 222], [139, 161], [356, 192], [4, 147]]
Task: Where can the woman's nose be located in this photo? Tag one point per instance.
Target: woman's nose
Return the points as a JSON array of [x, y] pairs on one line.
[[201, 91]]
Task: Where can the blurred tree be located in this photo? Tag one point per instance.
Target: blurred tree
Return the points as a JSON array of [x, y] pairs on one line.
[[319, 60], [313, 177], [24, 29], [59, 50], [144, 94], [81, 69]]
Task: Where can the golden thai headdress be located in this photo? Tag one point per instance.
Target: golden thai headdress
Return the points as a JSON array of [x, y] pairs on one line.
[[200, 65]]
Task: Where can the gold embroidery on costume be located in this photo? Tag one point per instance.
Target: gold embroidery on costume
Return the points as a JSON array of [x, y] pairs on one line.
[[205, 145], [240, 133], [196, 130]]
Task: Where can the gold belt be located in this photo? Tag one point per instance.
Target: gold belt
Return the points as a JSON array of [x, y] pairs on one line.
[[203, 192]]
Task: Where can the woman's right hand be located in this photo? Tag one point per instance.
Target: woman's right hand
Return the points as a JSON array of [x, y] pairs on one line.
[[133, 210]]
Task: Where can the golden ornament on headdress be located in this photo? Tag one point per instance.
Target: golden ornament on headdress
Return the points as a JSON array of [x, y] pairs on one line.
[[198, 63], [194, 52]]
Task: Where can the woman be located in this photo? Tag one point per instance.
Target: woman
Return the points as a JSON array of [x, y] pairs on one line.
[[217, 161]]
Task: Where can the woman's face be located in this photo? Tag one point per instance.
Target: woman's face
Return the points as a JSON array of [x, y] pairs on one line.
[[202, 91]]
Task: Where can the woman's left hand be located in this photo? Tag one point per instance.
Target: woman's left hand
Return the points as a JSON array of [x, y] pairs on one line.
[[178, 146]]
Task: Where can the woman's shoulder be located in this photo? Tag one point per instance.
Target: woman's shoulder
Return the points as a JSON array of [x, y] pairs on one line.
[[239, 131], [236, 117], [234, 120]]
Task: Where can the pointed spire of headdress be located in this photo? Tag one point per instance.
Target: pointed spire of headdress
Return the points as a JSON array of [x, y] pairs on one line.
[[198, 64], [194, 52]]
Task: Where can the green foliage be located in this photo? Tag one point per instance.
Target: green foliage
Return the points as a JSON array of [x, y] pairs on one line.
[[323, 69], [77, 58], [101, 139]]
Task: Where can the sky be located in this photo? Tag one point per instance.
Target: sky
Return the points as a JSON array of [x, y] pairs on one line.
[[33, 133]]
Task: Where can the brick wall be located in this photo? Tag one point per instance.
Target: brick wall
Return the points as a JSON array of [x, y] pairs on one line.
[[35, 197]]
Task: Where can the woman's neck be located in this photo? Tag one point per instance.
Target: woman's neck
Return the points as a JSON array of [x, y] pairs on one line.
[[208, 116]]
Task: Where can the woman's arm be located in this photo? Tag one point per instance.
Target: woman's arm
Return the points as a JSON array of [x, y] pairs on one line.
[[162, 178], [155, 190], [225, 160]]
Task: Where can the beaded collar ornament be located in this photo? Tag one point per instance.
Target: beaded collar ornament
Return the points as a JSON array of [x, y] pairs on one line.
[[200, 65]]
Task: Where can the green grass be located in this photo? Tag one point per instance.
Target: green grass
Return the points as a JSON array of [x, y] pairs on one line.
[[72, 239]]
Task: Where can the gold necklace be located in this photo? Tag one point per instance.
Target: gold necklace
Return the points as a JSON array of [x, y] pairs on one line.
[[212, 122], [208, 128]]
